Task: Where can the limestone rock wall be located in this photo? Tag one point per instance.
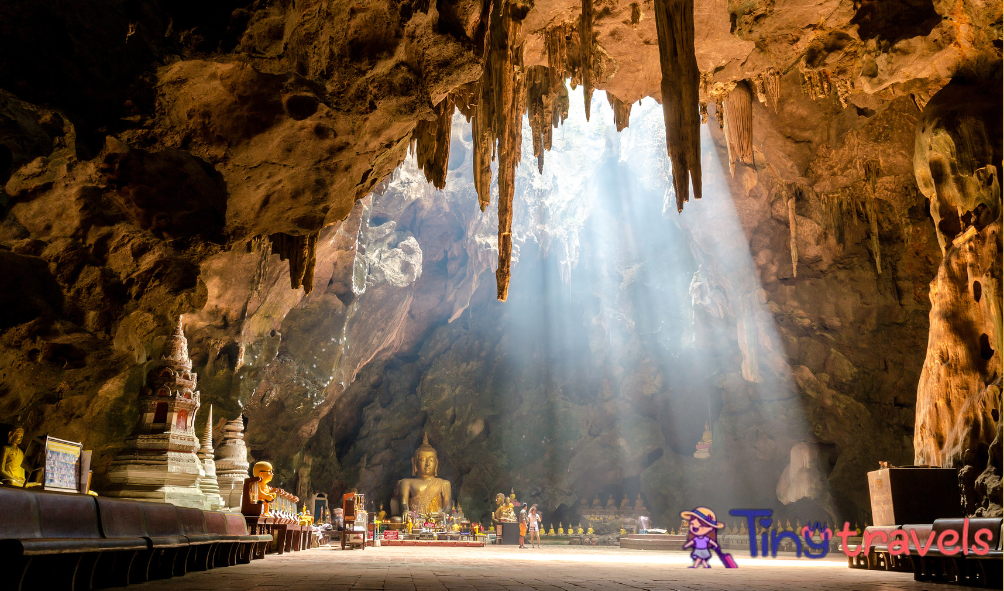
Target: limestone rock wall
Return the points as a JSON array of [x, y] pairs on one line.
[[958, 159], [159, 159]]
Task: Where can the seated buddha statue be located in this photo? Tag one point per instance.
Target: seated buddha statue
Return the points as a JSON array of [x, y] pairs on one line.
[[261, 491], [427, 493], [11, 471], [499, 509]]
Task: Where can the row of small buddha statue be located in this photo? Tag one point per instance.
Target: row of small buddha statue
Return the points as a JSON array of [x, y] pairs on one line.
[[260, 499], [571, 530]]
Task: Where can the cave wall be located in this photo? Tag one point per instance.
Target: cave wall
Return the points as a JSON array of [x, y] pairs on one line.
[[160, 159]]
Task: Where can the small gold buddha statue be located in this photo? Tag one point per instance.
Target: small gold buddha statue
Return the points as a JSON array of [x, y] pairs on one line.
[[305, 518], [550, 532], [382, 515], [705, 444], [11, 471], [561, 530], [590, 530], [262, 492], [579, 529], [428, 493]]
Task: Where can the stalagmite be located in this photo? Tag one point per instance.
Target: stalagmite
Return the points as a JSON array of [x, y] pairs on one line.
[[432, 139], [674, 21], [300, 250], [872, 172], [739, 126], [586, 52], [622, 111]]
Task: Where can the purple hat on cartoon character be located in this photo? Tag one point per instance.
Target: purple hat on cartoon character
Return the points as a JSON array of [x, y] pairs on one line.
[[704, 515]]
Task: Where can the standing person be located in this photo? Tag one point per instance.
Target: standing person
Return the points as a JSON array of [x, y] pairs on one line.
[[533, 525], [522, 527]]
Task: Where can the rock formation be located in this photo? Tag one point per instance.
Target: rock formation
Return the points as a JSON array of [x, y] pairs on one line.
[[958, 158], [173, 159]]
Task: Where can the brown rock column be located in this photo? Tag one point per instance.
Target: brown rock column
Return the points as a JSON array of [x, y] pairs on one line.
[[956, 158]]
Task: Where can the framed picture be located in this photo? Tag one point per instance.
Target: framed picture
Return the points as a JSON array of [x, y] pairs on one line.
[[62, 465]]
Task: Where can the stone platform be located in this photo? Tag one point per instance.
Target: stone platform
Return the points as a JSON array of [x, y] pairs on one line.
[[653, 541], [553, 568], [433, 543]]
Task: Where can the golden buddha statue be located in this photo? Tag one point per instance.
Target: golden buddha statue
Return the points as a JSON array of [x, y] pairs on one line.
[[702, 452], [305, 518], [382, 515], [499, 508], [590, 530], [261, 491], [550, 532], [11, 471], [427, 493], [561, 530], [580, 528]]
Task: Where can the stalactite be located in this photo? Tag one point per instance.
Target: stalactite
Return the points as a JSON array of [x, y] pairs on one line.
[[497, 126], [872, 171], [674, 21], [739, 126], [586, 52], [539, 110], [837, 210], [772, 86], [300, 251], [622, 112], [844, 88], [557, 68], [484, 146], [816, 83], [790, 192], [432, 143]]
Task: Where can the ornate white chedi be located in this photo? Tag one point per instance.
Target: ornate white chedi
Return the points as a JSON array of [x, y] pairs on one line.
[[232, 464], [159, 461], [208, 482]]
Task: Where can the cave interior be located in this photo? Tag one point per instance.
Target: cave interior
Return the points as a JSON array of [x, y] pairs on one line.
[[566, 241]]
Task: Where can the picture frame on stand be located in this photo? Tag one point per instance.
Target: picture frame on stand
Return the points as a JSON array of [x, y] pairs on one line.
[[61, 468]]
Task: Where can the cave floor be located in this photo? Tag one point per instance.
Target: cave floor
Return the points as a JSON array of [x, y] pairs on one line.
[[554, 568]]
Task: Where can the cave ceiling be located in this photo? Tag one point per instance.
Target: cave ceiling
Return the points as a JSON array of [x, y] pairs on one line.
[[323, 191]]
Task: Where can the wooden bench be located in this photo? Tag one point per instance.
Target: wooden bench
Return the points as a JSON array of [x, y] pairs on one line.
[[168, 544], [202, 544], [969, 569], [255, 544], [965, 569], [121, 519], [236, 545], [53, 540]]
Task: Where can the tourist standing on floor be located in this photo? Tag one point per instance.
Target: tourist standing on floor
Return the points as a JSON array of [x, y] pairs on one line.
[[522, 527], [533, 525]]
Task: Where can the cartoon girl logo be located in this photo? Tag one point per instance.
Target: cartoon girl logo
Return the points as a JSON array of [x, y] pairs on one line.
[[702, 537]]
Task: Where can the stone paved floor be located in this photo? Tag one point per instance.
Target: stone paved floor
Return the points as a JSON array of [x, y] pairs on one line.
[[554, 568]]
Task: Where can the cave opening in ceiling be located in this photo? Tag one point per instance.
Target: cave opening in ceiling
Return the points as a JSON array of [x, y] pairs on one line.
[[616, 356]]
